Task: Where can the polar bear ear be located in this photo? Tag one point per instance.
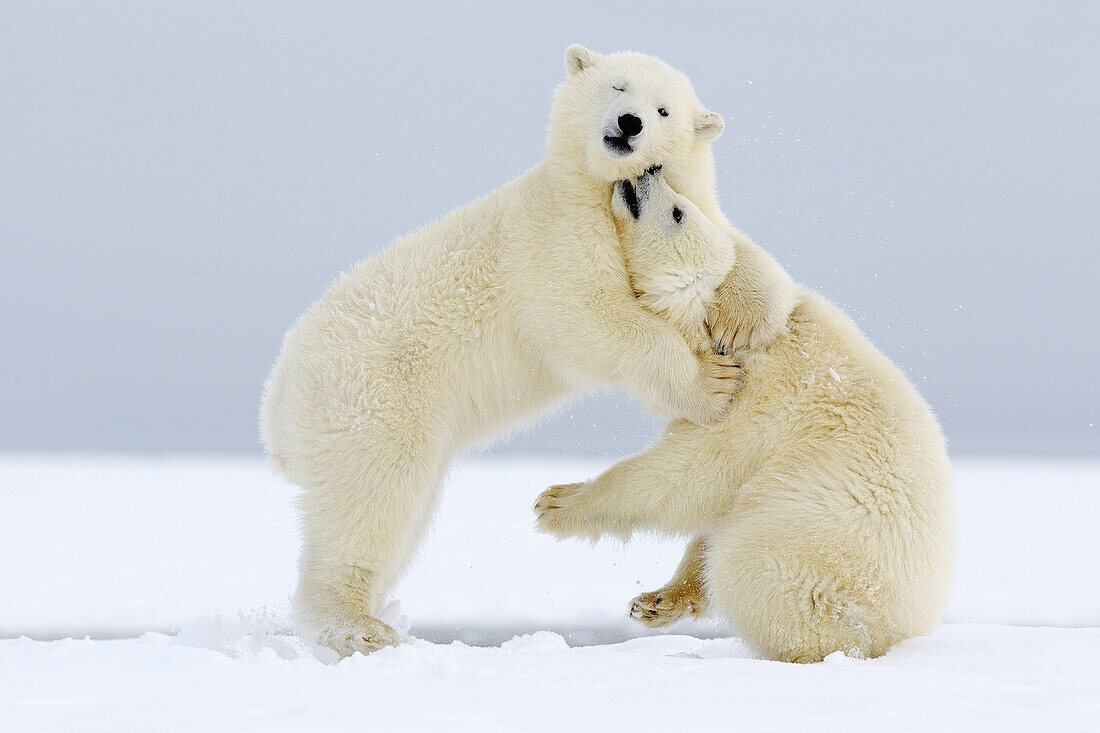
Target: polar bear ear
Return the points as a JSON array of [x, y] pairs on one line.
[[708, 126], [578, 58]]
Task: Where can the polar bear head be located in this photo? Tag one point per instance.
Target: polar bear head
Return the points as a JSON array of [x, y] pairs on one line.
[[625, 112], [676, 256]]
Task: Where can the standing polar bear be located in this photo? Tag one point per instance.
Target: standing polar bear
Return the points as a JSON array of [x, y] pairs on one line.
[[485, 318], [821, 509]]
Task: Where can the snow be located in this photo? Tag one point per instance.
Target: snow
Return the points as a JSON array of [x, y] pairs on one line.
[[980, 677], [180, 569]]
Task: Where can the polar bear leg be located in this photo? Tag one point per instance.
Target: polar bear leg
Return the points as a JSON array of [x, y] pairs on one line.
[[793, 594], [359, 534], [683, 596]]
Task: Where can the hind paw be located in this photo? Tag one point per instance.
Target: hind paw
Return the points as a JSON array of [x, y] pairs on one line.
[[661, 608], [366, 636]]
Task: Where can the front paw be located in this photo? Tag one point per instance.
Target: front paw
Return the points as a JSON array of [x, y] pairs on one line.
[[720, 377], [752, 307], [555, 510], [739, 326]]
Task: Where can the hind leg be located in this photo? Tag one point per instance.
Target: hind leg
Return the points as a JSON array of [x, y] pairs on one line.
[[361, 527], [683, 596], [794, 592]]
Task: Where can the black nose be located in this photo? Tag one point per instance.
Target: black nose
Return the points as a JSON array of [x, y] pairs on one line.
[[629, 125]]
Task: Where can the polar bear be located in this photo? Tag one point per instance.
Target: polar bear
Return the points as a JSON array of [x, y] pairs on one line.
[[822, 509], [481, 320]]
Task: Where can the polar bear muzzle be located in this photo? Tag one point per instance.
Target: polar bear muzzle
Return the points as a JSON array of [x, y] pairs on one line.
[[634, 195], [630, 197], [617, 138]]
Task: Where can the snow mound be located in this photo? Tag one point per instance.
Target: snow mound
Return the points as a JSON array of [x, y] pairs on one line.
[[540, 641]]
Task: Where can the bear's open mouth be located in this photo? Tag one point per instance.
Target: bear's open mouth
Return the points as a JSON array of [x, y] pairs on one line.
[[618, 145]]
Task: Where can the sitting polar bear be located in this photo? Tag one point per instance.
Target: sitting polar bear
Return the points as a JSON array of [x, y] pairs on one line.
[[821, 509], [485, 318]]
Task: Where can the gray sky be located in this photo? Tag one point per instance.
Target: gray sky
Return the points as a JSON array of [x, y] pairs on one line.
[[180, 180]]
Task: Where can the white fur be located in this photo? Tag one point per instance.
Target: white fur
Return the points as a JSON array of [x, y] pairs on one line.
[[474, 324], [822, 507]]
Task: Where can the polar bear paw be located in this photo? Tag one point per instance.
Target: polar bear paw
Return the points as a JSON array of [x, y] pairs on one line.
[[752, 307], [365, 635], [664, 607], [720, 377], [556, 510]]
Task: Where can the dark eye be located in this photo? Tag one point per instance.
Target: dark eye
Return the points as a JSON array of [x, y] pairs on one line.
[[619, 89], [662, 111], [677, 214]]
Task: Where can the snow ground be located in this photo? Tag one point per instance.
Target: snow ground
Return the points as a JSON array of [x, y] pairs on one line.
[[180, 569]]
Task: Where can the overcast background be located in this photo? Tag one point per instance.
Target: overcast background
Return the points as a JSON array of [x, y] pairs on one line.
[[179, 181]]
